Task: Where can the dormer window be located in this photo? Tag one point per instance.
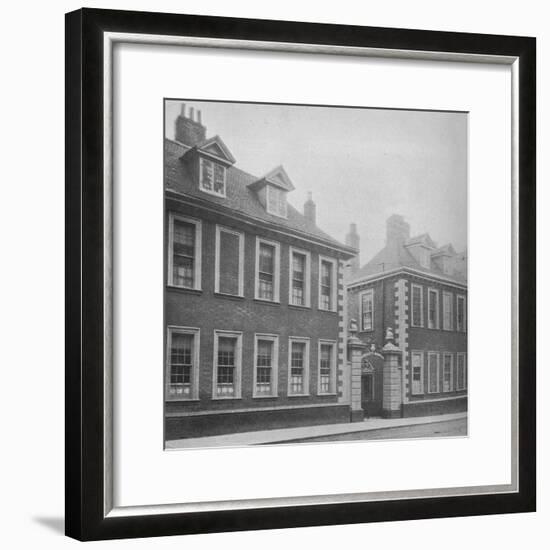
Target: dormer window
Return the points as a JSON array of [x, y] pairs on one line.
[[276, 201], [446, 265], [424, 258], [271, 191], [212, 177]]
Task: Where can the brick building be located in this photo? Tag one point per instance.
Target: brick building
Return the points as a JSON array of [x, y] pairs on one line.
[[254, 297], [419, 291]]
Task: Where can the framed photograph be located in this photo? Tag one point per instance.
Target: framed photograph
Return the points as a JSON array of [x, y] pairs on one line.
[[300, 274]]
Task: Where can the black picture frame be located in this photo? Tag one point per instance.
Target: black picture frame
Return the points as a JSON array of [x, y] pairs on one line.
[[85, 397]]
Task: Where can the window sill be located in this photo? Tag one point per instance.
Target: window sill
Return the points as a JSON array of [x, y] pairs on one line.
[[185, 290], [327, 310], [182, 400], [265, 397], [230, 296], [218, 398], [267, 302], [333, 394], [300, 395], [297, 306]]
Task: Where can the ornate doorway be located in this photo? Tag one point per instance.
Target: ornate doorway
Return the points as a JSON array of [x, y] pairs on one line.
[[371, 384]]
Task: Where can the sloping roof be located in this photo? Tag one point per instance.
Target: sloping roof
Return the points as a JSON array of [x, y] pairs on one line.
[[446, 250], [423, 239], [277, 177], [239, 196], [395, 255], [215, 146]]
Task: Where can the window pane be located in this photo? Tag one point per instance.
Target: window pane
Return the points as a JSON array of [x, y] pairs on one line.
[[432, 309], [417, 385], [298, 279], [447, 311], [264, 361], [416, 306], [460, 314], [183, 271], [447, 373], [326, 368], [226, 366], [219, 179], [461, 374], [181, 364], [266, 271], [433, 365], [207, 174], [367, 311], [297, 356], [276, 201], [326, 285]]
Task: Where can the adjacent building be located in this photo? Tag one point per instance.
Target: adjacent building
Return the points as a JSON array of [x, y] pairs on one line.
[[254, 298], [419, 291]]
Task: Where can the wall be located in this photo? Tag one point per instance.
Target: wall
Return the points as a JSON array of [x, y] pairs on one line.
[[32, 435], [210, 311]]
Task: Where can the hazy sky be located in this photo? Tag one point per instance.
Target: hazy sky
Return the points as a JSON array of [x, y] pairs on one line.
[[362, 165]]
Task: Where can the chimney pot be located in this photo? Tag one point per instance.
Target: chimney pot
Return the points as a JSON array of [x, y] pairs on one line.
[[310, 210], [353, 240], [189, 131], [397, 230]]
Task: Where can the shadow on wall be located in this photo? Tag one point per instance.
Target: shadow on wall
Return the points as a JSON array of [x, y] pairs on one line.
[[54, 524]]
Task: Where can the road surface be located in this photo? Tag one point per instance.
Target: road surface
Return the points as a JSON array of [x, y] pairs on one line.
[[450, 428]]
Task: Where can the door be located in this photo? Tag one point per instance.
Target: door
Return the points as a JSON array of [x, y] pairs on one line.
[[371, 387]]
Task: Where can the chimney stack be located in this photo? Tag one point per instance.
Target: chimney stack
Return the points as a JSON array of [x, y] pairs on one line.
[[353, 240], [310, 210], [398, 231], [189, 131]]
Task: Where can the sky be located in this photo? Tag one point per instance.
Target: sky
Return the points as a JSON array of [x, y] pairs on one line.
[[361, 165]]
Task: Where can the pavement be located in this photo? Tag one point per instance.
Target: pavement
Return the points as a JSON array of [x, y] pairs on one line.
[[291, 434]]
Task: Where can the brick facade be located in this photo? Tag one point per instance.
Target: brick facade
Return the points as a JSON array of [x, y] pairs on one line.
[[204, 310], [421, 337]]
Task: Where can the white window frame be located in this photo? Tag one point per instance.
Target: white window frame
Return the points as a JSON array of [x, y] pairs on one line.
[[334, 290], [424, 257], [276, 269], [421, 354], [219, 230], [211, 191], [196, 333], [305, 383], [451, 385], [370, 292], [438, 357], [463, 298], [307, 276], [462, 354], [274, 365], [238, 367], [450, 294], [172, 216], [270, 189], [432, 290], [413, 286], [334, 367]]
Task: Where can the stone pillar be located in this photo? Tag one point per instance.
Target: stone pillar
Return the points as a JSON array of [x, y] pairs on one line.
[[391, 379], [356, 349]]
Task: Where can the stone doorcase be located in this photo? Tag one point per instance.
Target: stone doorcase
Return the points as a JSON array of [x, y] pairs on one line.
[[391, 384]]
